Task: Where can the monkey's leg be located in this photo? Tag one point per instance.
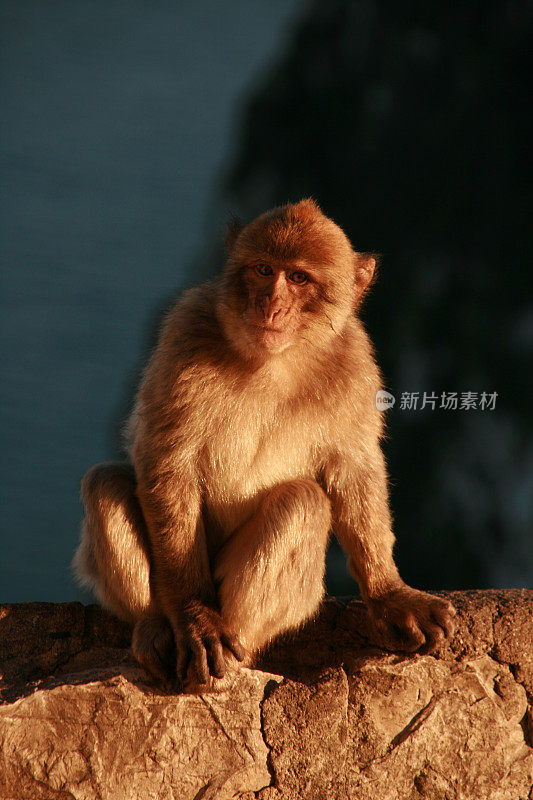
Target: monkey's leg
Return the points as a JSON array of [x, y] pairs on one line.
[[113, 559], [112, 556], [271, 571]]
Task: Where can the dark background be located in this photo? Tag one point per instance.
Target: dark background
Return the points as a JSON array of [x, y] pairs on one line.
[[131, 131]]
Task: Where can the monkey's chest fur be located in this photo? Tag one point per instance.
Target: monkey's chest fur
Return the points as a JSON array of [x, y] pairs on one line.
[[250, 449]]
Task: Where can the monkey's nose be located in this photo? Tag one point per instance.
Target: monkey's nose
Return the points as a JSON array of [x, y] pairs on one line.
[[276, 315]]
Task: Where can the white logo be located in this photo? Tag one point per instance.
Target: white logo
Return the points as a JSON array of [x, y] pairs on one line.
[[384, 400]]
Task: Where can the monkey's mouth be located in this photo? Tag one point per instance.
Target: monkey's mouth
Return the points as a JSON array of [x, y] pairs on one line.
[[272, 337], [270, 328]]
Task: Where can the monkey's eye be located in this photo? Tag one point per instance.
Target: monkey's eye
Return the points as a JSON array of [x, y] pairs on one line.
[[264, 269], [298, 277]]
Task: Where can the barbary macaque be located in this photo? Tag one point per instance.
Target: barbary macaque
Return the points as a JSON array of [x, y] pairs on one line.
[[254, 435]]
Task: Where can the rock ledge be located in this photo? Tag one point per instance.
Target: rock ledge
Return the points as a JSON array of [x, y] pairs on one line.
[[329, 715]]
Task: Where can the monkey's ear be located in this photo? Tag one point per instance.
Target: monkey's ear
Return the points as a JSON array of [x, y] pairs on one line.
[[233, 228], [365, 272]]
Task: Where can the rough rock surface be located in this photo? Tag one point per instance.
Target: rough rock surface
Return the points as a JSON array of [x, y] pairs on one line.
[[328, 715]]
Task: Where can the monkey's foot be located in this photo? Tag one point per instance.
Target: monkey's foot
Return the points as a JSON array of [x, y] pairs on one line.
[[412, 620], [154, 648]]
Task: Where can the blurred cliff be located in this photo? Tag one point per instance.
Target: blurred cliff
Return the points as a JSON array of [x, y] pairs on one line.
[[410, 125]]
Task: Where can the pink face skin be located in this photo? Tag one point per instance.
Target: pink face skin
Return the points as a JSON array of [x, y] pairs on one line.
[[276, 297]]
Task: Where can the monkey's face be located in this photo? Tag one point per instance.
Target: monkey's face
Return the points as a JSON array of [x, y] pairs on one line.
[[292, 278], [278, 297]]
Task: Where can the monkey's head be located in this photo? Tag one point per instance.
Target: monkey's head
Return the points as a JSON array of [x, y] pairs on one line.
[[291, 278]]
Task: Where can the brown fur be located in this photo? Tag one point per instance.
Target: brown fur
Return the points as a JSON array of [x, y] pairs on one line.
[[255, 430]]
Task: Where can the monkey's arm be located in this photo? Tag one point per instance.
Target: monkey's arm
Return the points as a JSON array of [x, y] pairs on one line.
[[166, 435], [182, 584], [357, 488]]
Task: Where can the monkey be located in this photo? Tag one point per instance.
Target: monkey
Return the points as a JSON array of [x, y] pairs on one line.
[[254, 436]]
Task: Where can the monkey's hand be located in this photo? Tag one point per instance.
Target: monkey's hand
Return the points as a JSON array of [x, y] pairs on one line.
[[203, 642], [412, 620]]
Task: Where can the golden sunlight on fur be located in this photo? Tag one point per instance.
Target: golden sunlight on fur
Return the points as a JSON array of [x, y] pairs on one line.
[[255, 433]]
